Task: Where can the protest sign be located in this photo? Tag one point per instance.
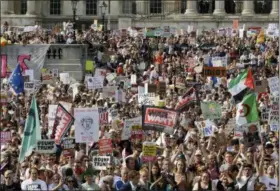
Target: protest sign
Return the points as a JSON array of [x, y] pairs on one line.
[[235, 24], [109, 91], [265, 116], [260, 85], [64, 78], [47, 76], [274, 111], [133, 79], [214, 71], [147, 99], [211, 110], [127, 129], [95, 82], [29, 57], [136, 132], [29, 73], [100, 162], [149, 151], [219, 61], [103, 116], [252, 134], [62, 123], [185, 102], [29, 88], [5, 137], [45, 146], [100, 72], [68, 143], [239, 131], [52, 113], [105, 146], [274, 127], [3, 98], [180, 83], [207, 128], [120, 96], [150, 88], [86, 125], [273, 84], [158, 119]]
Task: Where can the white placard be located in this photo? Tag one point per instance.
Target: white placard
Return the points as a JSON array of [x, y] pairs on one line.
[[64, 78], [95, 82], [133, 79], [86, 125], [128, 123], [45, 146], [273, 84], [100, 162], [109, 91], [120, 96], [219, 61], [147, 99], [30, 73], [100, 72]]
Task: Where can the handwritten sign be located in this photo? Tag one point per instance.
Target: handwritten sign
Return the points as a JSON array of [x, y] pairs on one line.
[[147, 99], [214, 71], [149, 151], [273, 84], [45, 146], [100, 162], [105, 146]]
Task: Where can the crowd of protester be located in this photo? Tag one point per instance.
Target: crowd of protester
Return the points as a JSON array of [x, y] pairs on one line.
[[186, 160]]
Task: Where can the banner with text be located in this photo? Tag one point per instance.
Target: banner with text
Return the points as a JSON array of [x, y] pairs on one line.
[[158, 119], [28, 56]]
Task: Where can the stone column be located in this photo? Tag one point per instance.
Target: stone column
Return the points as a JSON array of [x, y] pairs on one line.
[[219, 7], [31, 7], [4, 7], [191, 7], [275, 8], [248, 8]]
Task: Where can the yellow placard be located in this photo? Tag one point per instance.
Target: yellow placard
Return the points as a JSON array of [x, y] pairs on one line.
[[149, 150], [90, 65]]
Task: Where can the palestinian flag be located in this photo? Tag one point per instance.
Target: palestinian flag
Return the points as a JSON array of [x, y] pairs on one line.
[[241, 82], [247, 111]]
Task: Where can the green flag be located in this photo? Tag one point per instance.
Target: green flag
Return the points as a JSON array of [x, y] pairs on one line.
[[32, 131], [247, 111], [211, 110]]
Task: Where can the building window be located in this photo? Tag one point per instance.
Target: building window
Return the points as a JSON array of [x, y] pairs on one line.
[[91, 7], [55, 7], [128, 7], [183, 6], [23, 7], [156, 6], [263, 6]]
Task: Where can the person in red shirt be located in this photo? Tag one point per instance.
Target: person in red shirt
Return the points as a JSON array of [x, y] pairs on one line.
[[120, 69]]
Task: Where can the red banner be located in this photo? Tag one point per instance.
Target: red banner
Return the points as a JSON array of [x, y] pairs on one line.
[[105, 146], [103, 116], [62, 123]]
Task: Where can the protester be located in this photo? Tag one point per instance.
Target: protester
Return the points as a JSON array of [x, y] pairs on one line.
[[164, 116]]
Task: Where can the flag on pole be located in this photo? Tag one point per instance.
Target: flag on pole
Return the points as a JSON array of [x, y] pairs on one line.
[[241, 82], [32, 131], [247, 111], [16, 80]]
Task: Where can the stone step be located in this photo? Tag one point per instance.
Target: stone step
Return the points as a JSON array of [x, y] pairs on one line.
[[64, 67]]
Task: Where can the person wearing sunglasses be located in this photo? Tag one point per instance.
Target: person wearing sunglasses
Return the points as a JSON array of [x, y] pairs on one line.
[[70, 182], [9, 185]]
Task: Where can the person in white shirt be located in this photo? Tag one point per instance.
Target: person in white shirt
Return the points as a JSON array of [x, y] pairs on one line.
[[246, 179], [34, 183], [268, 178]]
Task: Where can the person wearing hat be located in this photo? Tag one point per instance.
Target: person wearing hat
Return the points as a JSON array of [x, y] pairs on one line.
[[89, 184]]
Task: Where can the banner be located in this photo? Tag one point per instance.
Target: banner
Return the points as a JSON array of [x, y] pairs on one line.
[[52, 113], [86, 125], [127, 129], [28, 56], [158, 119], [147, 99], [5, 137], [62, 123], [149, 151], [68, 143], [105, 146], [184, 102], [100, 162], [273, 84], [214, 71], [211, 110], [46, 146]]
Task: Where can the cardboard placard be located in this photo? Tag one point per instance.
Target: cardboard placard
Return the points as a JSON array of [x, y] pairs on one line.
[[5, 137], [149, 151], [100, 162], [214, 71], [46, 146], [105, 146], [68, 143]]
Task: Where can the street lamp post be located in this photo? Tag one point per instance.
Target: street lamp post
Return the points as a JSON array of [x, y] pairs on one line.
[[74, 9], [103, 7]]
